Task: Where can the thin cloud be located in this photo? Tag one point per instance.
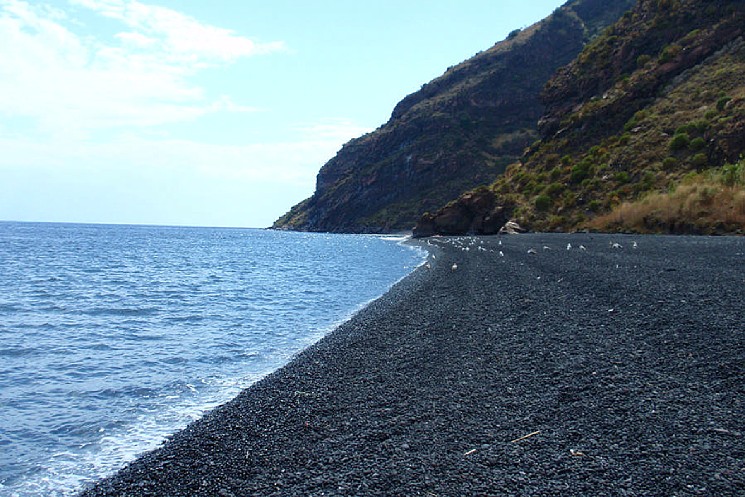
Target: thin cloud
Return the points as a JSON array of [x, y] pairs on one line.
[[177, 34], [71, 83]]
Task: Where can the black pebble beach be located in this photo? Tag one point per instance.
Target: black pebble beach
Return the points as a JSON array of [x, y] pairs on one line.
[[544, 370]]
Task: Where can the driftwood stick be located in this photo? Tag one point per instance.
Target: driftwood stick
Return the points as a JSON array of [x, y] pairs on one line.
[[525, 436]]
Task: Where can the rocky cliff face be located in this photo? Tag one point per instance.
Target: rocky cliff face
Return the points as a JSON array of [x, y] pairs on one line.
[[657, 101], [459, 131]]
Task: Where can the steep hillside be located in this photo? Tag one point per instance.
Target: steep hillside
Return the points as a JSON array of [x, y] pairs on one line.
[[658, 98], [459, 131]]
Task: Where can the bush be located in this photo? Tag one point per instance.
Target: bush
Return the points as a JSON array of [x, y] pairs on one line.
[[699, 160], [669, 53], [622, 177], [697, 144], [543, 203], [513, 33], [733, 174], [679, 141], [580, 172], [648, 180], [669, 163], [554, 189], [642, 60], [722, 102]]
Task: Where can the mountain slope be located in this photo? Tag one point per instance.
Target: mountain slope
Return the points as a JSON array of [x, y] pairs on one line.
[[459, 131], [659, 97]]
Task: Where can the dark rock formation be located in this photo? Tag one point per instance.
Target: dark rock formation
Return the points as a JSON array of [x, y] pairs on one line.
[[668, 69], [459, 131]]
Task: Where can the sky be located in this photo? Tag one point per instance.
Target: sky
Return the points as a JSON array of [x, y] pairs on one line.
[[210, 112]]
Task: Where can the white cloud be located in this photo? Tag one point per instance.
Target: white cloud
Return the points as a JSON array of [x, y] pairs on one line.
[[179, 35], [72, 84]]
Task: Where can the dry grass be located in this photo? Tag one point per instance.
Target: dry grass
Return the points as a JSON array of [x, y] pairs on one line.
[[706, 203]]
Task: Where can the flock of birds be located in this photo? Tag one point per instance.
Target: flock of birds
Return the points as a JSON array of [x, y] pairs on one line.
[[466, 244]]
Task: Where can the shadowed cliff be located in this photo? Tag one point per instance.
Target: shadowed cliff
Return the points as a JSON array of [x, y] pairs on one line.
[[643, 131], [459, 131]]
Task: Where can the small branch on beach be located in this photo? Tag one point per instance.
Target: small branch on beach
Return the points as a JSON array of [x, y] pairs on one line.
[[469, 452], [525, 436]]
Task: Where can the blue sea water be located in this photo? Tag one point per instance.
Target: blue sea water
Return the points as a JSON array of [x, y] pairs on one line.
[[114, 337]]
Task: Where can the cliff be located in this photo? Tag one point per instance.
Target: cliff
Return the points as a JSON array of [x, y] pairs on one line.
[[459, 131], [643, 131]]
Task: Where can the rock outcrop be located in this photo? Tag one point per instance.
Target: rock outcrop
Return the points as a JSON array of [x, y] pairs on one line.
[[459, 131], [656, 101]]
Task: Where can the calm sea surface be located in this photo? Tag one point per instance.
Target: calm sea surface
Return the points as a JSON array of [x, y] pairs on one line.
[[114, 337]]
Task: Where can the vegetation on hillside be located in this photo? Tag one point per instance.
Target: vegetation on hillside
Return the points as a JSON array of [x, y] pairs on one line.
[[458, 131], [707, 202], [652, 109]]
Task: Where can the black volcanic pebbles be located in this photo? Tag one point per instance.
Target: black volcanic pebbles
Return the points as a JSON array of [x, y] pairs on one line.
[[604, 371]]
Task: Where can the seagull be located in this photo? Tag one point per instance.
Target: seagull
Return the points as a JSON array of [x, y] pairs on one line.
[[501, 254], [455, 266], [532, 251], [616, 246], [569, 246], [635, 245], [582, 248], [546, 247]]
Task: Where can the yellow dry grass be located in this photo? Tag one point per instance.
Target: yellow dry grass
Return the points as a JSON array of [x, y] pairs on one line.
[[703, 203]]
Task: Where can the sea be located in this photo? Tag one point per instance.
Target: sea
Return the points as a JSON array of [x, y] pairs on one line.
[[114, 337]]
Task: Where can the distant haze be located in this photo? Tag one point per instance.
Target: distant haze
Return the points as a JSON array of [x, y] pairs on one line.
[[209, 113]]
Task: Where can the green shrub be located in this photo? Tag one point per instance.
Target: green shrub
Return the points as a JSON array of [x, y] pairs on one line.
[[594, 205], [733, 174], [553, 189], [669, 163], [697, 144], [669, 53], [699, 160], [686, 129], [543, 203], [648, 180], [679, 141], [580, 172], [711, 114], [701, 125], [622, 177], [513, 33], [642, 60], [722, 102]]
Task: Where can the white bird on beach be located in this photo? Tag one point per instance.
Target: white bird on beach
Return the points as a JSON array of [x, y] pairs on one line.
[[532, 251], [582, 248], [546, 247], [635, 245], [455, 266], [501, 254], [569, 246], [616, 245]]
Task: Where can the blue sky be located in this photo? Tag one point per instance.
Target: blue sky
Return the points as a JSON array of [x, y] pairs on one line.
[[209, 113]]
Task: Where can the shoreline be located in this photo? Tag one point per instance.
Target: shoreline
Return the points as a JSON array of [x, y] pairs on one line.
[[563, 371]]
